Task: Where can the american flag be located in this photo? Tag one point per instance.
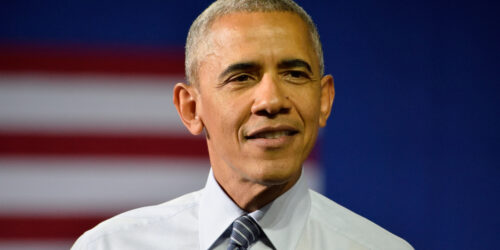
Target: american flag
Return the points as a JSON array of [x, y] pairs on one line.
[[87, 133]]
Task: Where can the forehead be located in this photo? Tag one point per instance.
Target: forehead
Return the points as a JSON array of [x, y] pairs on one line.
[[257, 20], [260, 37]]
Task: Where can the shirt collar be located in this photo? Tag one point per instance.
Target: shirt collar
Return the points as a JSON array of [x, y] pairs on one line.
[[216, 212], [282, 220]]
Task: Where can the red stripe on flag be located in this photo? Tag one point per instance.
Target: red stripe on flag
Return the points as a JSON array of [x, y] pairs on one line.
[[14, 144], [113, 60], [41, 228]]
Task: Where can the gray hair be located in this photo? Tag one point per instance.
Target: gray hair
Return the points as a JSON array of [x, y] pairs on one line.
[[219, 8]]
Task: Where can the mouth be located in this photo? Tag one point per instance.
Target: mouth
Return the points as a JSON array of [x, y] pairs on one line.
[[272, 133]]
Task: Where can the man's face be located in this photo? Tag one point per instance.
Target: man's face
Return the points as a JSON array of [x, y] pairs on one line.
[[261, 98]]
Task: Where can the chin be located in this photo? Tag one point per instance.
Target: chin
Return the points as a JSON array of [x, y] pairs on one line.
[[276, 174]]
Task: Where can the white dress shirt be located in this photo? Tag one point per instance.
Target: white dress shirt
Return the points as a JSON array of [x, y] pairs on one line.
[[298, 219]]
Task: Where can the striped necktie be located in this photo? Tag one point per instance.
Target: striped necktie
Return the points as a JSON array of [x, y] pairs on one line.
[[244, 233]]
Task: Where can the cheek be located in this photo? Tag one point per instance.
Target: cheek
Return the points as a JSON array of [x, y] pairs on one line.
[[222, 115], [307, 103]]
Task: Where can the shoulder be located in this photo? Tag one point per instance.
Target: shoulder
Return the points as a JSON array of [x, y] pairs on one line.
[[330, 216], [147, 222]]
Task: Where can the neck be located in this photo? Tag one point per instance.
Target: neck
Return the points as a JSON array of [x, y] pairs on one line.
[[251, 195]]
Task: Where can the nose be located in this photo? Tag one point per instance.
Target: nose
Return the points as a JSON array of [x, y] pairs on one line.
[[270, 98]]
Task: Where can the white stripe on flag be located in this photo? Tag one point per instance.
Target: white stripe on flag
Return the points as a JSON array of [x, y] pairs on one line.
[[105, 104], [94, 186]]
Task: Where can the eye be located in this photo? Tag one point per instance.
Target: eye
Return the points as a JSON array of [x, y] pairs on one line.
[[240, 78], [296, 76]]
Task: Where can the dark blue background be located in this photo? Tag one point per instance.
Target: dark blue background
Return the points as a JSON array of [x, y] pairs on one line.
[[413, 142]]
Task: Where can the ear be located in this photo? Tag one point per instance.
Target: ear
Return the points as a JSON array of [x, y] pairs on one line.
[[327, 96], [185, 101]]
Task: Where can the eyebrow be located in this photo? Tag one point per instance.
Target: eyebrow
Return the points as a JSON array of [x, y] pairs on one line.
[[243, 66], [294, 63]]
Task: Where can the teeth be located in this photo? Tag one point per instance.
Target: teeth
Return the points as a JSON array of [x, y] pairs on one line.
[[272, 135]]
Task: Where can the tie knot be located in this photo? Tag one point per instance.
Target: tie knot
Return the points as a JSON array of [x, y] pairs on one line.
[[245, 232]]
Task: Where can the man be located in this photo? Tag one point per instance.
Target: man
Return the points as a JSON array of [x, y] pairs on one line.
[[257, 90]]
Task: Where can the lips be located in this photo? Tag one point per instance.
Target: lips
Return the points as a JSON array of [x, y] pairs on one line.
[[272, 132]]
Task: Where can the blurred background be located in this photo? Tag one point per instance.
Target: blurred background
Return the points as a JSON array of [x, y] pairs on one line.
[[88, 130]]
